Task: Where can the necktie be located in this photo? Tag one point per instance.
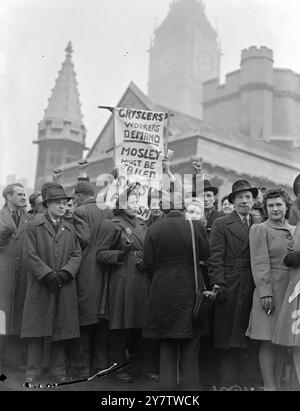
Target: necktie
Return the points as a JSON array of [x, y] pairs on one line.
[[16, 218], [245, 221], [56, 224]]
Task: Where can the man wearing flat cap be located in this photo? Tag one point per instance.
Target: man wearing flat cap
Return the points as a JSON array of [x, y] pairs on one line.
[[50, 308], [230, 276], [35, 200], [204, 189]]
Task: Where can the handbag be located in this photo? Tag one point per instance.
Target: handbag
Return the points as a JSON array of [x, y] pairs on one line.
[[203, 304]]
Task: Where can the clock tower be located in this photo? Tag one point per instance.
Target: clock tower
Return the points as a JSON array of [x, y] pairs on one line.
[[184, 54]]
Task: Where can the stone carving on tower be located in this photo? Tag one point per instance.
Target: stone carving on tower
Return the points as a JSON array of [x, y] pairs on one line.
[[184, 54], [61, 132]]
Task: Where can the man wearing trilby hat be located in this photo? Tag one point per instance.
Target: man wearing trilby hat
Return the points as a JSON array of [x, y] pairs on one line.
[[50, 308], [230, 275]]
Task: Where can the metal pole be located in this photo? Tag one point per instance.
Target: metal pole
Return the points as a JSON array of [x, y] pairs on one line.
[[167, 133], [112, 110]]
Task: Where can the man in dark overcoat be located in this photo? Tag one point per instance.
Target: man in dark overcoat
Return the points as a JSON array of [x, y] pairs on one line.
[[230, 275], [51, 307], [13, 221], [87, 219], [169, 256]]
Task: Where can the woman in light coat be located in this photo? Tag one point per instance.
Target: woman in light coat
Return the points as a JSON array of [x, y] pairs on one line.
[[270, 241]]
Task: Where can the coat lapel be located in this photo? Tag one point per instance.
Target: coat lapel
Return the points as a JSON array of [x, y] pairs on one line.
[[140, 227], [134, 231], [42, 220], [23, 222], [64, 226], [279, 226], [237, 228]]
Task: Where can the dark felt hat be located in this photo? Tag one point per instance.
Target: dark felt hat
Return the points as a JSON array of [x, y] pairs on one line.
[[296, 185], [241, 185], [85, 187], [56, 192], [199, 186], [209, 187]]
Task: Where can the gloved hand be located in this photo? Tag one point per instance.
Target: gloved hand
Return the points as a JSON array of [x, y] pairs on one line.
[[220, 291], [64, 277], [267, 304], [141, 265], [52, 281], [124, 250], [292, 259]]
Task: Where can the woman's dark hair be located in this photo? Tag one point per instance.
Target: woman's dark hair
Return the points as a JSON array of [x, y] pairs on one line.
[[275, 193], [224, 199]]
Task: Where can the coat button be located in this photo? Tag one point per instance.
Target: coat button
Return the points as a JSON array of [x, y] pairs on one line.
[[56, 256]]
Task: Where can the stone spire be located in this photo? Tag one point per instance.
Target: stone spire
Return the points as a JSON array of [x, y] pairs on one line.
[[64, 102], [61, 132]]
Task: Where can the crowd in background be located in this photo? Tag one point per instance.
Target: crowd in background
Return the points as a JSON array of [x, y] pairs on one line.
[[83, 287]]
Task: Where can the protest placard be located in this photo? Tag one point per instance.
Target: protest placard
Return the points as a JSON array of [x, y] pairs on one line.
[[139, 149]]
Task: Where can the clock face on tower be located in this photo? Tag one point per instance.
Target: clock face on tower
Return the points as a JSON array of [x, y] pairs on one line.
[[203, 63]]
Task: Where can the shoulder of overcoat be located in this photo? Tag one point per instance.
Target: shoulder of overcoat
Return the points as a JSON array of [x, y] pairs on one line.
[[68, 226], [41, 219], [230, 218]]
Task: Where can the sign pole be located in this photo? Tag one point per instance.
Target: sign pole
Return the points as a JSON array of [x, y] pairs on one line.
[[112, 110], [167, 133]]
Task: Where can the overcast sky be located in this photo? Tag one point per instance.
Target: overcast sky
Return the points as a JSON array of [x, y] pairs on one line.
[[110, 40]]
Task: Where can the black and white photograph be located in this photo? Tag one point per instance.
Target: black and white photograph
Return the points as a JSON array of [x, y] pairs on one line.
[[149, 198]]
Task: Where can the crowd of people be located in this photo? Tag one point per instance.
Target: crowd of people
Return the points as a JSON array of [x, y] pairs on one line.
[[83, 287]]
